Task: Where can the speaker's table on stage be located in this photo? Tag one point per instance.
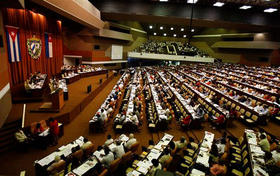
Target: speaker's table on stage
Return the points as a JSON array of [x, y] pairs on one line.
[[57, 99]]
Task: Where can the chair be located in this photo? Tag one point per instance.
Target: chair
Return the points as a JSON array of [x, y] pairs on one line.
[[104, 172], [247, 171], [233, 105], [237, 108], [244, 154], [255, 118], [43, 124], [248, 114], [236, 172], [134, 147], [60, 166], [126, 158], [114, 165], [167, 163], [242, 111], [88, 150], [78, 154]]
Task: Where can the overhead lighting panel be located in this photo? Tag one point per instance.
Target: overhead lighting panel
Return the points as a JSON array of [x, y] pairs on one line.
[[161, 28], [155, 33], [270, 10], [164, 34], [245, 7], [192, 1], [163, 0], [151, 27], [218, 4], [185, 36], [182, 29], [192, 30], [174, 35], [171, 28]]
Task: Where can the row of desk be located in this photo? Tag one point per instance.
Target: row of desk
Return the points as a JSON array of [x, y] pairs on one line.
[[145, 165], [256, 155], [229, 98], [76, 76]]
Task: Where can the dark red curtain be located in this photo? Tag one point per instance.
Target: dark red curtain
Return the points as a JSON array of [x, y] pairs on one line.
[[34, 24]]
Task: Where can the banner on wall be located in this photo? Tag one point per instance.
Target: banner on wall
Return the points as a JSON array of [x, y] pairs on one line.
[[34, 46], [13, 44], [48, 45]]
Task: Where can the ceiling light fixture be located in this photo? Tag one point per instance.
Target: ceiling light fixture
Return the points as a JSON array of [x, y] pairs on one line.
[[161, 28], [155, 33], [174, 35], [182, 29], [192, 1], [270, 10], [185, 36], [164, 34], [151, 27], [192, 30], [245, 7], [171, 28], [163, 0], [218, 4]]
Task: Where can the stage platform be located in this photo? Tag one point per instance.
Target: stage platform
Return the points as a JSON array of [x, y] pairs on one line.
[[78, 100]]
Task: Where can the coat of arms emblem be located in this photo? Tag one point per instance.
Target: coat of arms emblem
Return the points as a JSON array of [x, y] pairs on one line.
[[34, 46]]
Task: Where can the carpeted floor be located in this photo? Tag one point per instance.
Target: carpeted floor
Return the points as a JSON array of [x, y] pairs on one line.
[[13, 162]]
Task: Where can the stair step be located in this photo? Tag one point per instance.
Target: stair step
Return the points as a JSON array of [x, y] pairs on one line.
[[7, 135], [15, 126], [12, 123]]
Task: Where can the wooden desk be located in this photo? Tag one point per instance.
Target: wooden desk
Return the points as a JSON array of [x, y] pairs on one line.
[[58, 99]]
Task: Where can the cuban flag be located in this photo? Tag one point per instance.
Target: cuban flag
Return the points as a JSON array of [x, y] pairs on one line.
[[48, 44], [13, 44]]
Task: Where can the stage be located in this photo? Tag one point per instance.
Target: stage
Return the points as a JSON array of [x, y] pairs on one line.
[[78, 100]]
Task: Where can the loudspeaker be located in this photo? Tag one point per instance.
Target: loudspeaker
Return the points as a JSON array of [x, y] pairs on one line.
[[96, 47], [1, 41], [88, 88], [100, 81]]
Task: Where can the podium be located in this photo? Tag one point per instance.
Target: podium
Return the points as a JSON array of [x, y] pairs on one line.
[[57, 99]]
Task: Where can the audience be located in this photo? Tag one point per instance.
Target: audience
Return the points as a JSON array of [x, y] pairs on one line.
[[108, 158], [166, 156], [155, 167], [119, 149], [264, 144], [182, 143], [54, 130], [130, 142], [109, 140]]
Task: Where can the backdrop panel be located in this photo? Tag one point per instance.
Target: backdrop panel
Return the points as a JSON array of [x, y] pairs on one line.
[[30, 25]]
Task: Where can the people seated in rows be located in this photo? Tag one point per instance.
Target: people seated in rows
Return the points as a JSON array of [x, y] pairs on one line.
[[166, 156], [264, 143], [54, 85], [186, 121], [156, 166], [276, 154], [131, 141], [119, 149], [170, 47], [54, 130], [108, 158], [109, 140], [22, 139], [51, 168], [218, 169], [182, 143], [86, 144], [38, 129]]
